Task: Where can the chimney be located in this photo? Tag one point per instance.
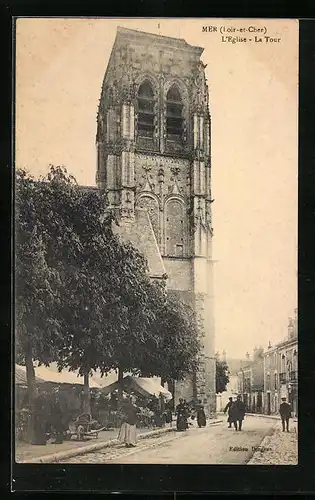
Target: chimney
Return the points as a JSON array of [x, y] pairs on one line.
[[247, 355], [258, 353], [290, 329], [269, 345], [295, 322]]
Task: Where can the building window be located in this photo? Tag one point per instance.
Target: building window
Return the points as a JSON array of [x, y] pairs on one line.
[[268, 381], [145, 101], [174, 111], [179, 250], [276, 380]]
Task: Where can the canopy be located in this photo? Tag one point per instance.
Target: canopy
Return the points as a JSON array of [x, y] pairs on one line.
[[145, 386], [20, 376], [45, 374]]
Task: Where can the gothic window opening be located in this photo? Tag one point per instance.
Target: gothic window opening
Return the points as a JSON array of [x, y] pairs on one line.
[[174, 114], [175, 228], [145, 101]]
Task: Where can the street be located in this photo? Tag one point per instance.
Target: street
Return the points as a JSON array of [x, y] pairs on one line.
[[214, 444]]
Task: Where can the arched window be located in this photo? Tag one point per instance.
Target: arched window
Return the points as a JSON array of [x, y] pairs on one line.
[[174, 118], [145, 110], [175, 228]]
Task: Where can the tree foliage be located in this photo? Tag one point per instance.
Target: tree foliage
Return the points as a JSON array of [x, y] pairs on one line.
[[84, 298], [222, 376]]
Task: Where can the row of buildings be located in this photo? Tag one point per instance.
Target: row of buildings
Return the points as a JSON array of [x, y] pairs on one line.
[[267, 376]]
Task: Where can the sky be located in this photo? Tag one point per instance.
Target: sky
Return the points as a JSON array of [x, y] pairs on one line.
[[253, 96]]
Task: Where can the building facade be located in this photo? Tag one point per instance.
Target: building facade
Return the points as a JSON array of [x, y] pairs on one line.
[[232, 389], [281, 371], [251, 382], [154, 162]]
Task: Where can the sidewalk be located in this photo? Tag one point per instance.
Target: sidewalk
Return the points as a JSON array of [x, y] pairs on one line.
[[25, 451], [279, 448], [261, 415]]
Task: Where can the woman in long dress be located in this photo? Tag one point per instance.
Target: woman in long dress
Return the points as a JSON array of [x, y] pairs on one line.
[[127, 432], [182, 415]]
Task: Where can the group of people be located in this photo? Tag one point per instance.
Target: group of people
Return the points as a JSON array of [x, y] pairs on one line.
[[129, 414], [184, 411], [236, 413]]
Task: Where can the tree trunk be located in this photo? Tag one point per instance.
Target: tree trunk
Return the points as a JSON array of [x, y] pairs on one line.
[[31, 391], [86, 394], [171, 388], [120, 384]]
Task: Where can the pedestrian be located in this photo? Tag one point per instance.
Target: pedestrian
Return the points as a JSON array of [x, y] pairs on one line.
[[285, 411], [237, 413], [168, 415], [187, 412], [127, 433], [201, 416], [181, 413], [228, 409]]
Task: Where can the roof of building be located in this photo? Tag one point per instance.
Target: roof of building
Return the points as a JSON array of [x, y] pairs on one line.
[[20, 376], [142, 385], [51, 374], [283, 343], [141, 235]]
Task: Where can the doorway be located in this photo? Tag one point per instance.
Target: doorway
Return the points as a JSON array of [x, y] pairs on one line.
[[268, 403]]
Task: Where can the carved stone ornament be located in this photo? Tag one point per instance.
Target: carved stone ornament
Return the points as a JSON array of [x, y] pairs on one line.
[[147, 184]]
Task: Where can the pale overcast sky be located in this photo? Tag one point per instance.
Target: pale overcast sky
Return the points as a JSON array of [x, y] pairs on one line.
[[254, 109]]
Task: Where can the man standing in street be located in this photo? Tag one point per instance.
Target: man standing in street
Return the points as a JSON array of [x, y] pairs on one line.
[[285, 413], [228, 409]]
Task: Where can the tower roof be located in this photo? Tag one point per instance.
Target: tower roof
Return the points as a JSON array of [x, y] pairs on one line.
[[126, 34]]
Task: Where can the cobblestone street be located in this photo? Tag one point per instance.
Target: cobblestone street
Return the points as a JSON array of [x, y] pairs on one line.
[[281, 447], [215, 444]]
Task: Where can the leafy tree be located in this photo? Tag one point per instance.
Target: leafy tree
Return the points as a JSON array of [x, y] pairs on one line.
[[36, 287], [176, 341], [84, 299], [222, 376]]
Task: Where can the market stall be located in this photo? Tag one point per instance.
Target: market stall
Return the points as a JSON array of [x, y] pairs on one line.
[[151, 398], [49, 380], [146, 387]]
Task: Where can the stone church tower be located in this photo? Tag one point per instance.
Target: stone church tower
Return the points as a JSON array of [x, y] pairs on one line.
[[153, 160]]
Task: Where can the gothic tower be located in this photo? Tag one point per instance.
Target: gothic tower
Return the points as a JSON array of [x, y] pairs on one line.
[[154, 157]]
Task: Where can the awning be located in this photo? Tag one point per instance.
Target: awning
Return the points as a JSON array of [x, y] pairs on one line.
[[45, 374], [145, 386], [20, 376]]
